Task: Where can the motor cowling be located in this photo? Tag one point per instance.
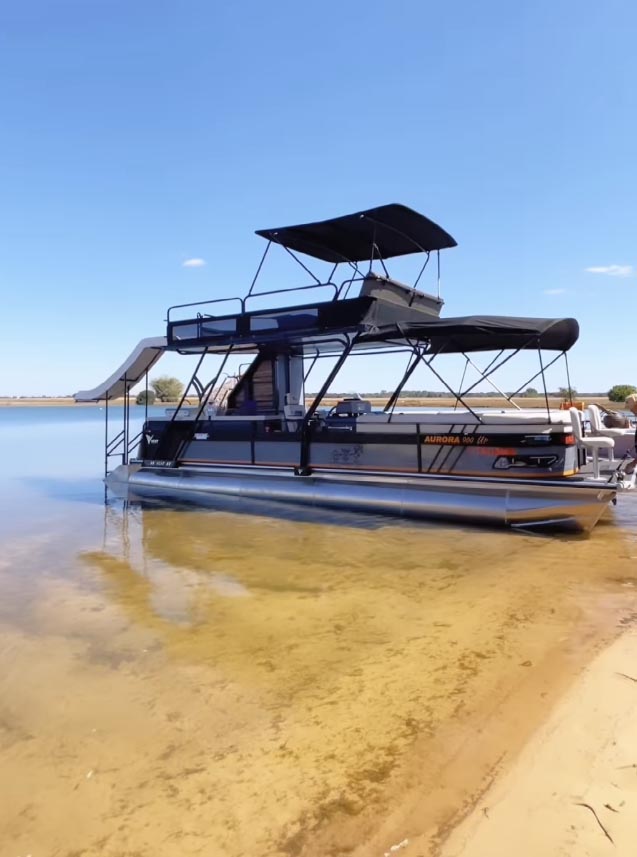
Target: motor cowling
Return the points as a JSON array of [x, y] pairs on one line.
[[352, 408]]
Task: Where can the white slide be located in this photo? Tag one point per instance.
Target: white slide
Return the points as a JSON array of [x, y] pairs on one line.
[[145, 354]]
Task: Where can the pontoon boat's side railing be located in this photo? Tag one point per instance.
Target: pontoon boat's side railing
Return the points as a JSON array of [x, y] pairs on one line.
[[327, 285], [346, 285], [122, 445], [171, 309], [242, 302], [299, 446], [115, 447]]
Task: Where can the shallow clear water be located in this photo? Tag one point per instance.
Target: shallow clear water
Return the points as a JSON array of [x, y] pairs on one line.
[[242, 681]]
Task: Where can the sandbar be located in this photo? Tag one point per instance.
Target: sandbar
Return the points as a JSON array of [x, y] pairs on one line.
[[573, 788]]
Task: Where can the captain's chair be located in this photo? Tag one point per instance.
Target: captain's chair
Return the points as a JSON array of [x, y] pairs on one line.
[[600, 430], [594, 444]]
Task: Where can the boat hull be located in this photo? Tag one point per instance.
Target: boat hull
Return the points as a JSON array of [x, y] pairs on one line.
[[565, 504]]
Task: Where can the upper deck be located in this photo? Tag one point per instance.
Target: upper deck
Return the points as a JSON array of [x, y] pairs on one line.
[[320, 325], [370, 236]]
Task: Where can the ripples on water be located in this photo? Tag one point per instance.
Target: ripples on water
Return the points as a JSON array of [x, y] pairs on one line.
[[179, 680]]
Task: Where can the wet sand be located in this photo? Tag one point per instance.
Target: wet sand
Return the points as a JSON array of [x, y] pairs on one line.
[[573, 789], [200, 682]]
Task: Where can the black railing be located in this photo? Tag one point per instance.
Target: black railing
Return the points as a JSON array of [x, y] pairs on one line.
[[117, 446], [243, 301], [307, 436], [240, 301]]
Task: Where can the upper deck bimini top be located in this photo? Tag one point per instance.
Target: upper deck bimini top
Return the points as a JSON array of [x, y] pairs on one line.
[[385, 231]]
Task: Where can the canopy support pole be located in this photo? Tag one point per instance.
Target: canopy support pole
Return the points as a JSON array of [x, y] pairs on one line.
[[533, 377], [494, 385], [438, 256], [485, 375], [326, 384], [414, 360], [487, 368], [568, 379], [303, 468], [464, 372], [546, 395], [422, 271], [457, 396], [312, 365], [254, 279], [305, 268]]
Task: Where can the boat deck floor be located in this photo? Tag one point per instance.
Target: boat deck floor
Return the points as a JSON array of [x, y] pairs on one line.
[[610, 470]]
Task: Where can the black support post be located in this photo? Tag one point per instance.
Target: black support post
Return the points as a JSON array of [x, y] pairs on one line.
[[304, 468], [414, 361]]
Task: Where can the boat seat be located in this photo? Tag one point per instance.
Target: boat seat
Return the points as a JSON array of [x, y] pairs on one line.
[[598, 429], [594, 444]]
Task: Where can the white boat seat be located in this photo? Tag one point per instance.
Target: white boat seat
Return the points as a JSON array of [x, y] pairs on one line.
[[624, 435], [594, 444], [599, 429]]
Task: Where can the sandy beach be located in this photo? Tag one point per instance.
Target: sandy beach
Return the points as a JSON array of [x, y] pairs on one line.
[[573, 788]]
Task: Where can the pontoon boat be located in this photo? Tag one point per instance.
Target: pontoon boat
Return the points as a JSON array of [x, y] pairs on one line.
[[254, 434]]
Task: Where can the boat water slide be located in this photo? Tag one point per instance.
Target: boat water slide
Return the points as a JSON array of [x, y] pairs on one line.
[[142, 358]]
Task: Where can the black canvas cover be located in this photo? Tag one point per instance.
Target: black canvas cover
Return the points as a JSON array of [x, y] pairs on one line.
[[485, 333], [386, 231]]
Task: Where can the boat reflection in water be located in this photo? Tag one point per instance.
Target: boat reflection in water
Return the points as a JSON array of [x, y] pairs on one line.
[[288, 684]]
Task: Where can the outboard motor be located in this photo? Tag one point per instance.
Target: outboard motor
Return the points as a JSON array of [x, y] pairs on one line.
[[344, 414], [352, 408]]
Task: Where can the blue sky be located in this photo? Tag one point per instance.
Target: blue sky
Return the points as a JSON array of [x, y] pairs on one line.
[[136, 136]]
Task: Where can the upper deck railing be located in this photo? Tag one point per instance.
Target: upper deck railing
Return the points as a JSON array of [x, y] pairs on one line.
[[242, 303]]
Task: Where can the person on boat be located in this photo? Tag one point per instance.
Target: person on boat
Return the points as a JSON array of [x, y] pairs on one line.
[[631, 405]]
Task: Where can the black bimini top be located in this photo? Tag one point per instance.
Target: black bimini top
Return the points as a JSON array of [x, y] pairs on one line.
[[386, 231], [484, 333]]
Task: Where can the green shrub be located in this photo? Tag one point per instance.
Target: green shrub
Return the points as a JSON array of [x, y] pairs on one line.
[[167, 389], [146, 397], [620, 392]]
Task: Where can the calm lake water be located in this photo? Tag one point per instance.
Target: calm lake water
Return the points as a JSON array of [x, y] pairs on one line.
[[178, 680]]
